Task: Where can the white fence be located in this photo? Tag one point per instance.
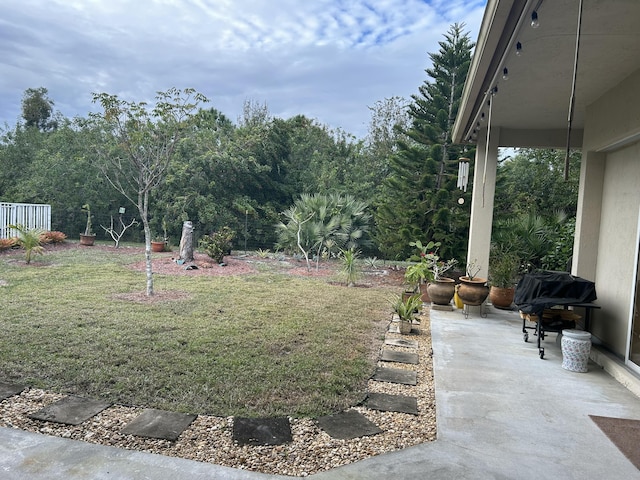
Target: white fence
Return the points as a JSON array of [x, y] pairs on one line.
[[25, 214]]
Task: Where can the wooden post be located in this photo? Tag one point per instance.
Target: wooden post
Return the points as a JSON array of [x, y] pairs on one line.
[[186, 242]]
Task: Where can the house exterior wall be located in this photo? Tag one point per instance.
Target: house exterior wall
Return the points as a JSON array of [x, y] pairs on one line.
[[608, 208]]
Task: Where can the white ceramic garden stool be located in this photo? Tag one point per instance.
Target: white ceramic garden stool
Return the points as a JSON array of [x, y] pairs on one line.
[[576, 346]]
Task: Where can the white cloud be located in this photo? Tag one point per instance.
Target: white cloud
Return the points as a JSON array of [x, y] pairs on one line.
[[327, 59]]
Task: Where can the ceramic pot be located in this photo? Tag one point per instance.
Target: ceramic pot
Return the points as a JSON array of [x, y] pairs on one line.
[[87, 240], [501, 297], [405, 327], [441, 291], [424, 293], [157, 246], [473, 292]]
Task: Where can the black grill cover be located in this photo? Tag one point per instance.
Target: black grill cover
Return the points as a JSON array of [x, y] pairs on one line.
[[537, 291]]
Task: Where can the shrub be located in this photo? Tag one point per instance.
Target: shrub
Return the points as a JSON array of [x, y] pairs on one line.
[[218, 244], [52, 237], [7, 243]]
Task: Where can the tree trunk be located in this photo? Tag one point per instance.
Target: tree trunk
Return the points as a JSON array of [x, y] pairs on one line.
[[186, 242], [147, 257]]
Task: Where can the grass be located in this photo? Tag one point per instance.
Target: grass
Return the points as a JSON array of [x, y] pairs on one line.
[[253, 345]]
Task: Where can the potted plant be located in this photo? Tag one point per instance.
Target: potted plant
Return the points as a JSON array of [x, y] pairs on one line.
[[405, 309], [440, 288], [158, 244], [473, 290], [88, 237], [419, 274], [503, 269]]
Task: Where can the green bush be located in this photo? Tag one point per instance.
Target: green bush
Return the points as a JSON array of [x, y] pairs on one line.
[[218, 244]]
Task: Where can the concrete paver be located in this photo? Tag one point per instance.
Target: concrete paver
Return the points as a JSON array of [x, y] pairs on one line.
[[70, 410], [395, 375], [346, 425], [161, 424], [262, 431], [392, 403], [399, 357]]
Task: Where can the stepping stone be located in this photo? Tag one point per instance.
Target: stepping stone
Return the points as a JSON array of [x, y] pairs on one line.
[[399, 357], [396, 375], [348, 425], [70, 410], [159, 424], [392, 403], [9, 390], [401, 342], [262, 431]]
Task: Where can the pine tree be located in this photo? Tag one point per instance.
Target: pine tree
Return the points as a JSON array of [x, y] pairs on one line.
[[421, 201]]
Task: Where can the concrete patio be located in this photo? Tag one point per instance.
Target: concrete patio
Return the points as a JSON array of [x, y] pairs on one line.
[[502, 413]]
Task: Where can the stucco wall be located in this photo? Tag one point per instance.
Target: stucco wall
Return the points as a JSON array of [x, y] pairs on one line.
[[615, 265], [612, 128]]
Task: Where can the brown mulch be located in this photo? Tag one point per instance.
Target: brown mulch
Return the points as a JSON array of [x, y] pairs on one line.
[[165, 263]]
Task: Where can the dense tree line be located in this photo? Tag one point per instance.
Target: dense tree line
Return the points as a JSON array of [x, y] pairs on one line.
[[246, 174]]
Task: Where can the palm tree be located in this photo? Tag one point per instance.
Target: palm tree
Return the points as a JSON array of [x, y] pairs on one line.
[[29, 239]]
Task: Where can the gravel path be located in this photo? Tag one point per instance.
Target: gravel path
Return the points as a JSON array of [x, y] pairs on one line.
[[208, 439]]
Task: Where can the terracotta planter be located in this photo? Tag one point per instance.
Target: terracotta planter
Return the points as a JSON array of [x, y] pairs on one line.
[[157, 246], [441, 291], [87, 240], [501, 297], [424, 293], [473, 292]]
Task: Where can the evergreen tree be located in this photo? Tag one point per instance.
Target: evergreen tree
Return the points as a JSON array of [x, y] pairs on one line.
[[421, 199], [37, 109]]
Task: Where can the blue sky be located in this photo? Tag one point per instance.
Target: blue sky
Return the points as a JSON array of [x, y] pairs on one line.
[[326, 59]]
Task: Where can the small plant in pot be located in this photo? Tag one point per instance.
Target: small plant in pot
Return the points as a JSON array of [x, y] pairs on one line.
[[418, 275], [157, 244], [503, 270], [441, 289], [405, 309], [473, 290], [87, 238]]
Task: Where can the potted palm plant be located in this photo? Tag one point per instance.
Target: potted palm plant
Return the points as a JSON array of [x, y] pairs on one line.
[[405, 309], [88, 237]]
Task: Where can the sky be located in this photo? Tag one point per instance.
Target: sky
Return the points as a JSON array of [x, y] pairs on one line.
[[329, 60]]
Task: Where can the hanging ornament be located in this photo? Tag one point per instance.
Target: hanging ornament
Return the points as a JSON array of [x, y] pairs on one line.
[[463, 173]]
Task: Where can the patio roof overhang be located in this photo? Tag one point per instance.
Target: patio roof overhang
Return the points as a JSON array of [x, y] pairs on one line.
[[531, 107]]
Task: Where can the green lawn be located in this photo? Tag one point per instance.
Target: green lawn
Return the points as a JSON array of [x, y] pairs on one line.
[[260, 344]]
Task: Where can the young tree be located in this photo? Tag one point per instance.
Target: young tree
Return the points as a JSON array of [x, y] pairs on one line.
[[421, 197], [137, 144]]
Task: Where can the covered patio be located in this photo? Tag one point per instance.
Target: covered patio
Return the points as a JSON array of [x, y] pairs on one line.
[[566, 74]]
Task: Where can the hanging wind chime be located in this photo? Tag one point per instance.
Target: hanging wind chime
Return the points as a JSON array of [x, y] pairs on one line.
[[463, 173]]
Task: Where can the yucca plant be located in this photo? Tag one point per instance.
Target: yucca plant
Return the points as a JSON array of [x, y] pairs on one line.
[[350, 271], [406, 308], [30, 240]]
